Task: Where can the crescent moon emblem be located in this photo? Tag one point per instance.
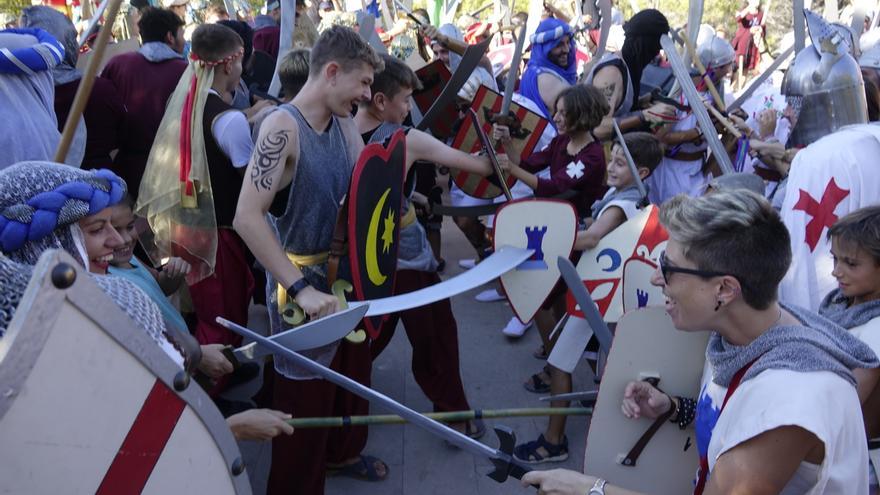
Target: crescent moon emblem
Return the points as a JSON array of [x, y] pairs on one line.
[[615, 259], [373, 272]]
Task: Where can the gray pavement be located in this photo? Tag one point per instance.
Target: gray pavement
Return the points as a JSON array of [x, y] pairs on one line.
[[493, 369]]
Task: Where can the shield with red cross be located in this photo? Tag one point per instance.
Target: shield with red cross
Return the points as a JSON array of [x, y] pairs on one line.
[[434, 78], [629, 250], [486, 104], [830, 178], [91, 404], [546, 226]]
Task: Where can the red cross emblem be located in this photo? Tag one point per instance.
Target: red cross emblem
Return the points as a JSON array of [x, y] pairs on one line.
[[821, 211]]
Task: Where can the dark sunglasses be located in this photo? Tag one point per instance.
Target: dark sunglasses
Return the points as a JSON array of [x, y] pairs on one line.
[[666, 269]]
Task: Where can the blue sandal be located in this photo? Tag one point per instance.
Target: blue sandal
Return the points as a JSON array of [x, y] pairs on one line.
[[528, 452]]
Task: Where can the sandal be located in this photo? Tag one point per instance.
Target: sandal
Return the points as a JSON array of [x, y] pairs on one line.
[[540, 353], [364, 469], [474, 429], [536, 384], [528, 452]]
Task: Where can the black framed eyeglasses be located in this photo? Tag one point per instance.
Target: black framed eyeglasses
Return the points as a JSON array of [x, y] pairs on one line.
[[666, 269]]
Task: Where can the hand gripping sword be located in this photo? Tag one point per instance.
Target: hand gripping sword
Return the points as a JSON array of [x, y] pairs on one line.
[[501, 458], [694, 99]]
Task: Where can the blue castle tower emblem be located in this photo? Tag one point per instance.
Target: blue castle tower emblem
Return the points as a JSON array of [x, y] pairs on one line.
[[535, 239]]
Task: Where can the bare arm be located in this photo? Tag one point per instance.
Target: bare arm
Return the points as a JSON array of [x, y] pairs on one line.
[[612, 218], [765, 463], [422, 146], [609, 81], [549, 87]]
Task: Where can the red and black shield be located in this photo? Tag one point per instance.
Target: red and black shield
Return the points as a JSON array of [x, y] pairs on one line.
[[375, 198], [434, 78], [486, 104]]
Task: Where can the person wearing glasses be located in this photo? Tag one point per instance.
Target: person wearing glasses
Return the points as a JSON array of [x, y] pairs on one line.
[[777, 410]]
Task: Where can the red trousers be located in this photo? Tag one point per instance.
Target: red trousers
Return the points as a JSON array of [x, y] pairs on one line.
[[433, 334], [299, 461], [227, 292]]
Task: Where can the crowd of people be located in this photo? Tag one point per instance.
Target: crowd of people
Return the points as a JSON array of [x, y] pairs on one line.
[[779, 257]]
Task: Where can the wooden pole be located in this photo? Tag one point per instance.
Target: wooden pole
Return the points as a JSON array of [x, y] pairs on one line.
[[712, 89], [443, 417], [87, 82]]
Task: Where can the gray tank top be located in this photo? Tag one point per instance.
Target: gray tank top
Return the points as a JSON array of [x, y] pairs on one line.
[[319, 184], [614, 59]]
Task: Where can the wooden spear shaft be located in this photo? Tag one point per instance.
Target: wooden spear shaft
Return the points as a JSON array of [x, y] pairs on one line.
[[87, 82], [444, 417]]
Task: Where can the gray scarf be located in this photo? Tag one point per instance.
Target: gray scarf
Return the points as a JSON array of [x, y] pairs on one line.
[[816, 345], [630, 193], [836, 307], [156, 51]]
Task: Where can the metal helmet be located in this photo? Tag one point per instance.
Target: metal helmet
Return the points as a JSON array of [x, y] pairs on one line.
[[715, 52], [824, 85]]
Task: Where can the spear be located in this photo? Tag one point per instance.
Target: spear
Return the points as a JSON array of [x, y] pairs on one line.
[[443, 417]]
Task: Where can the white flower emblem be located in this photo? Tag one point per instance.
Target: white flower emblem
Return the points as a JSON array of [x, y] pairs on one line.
[[575, 170]]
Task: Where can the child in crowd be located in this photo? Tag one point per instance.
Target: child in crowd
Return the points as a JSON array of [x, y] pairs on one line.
[[618, 205], [576, 160], [855, 304], [158, 284]]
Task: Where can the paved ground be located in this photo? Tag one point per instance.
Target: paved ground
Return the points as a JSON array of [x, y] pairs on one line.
[[493, 369]]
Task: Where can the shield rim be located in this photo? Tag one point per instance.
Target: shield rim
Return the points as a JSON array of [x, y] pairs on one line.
[[398, 138], [495, 247], [35, 317]]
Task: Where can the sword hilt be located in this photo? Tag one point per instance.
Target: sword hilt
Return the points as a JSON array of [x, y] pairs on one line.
[[510, 120], [505, 465]]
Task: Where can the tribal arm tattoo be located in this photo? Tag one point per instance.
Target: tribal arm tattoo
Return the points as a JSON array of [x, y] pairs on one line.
[[267, 159]]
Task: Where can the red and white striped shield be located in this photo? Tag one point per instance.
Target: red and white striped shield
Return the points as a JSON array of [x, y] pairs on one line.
[[92, 405], [485, 104]]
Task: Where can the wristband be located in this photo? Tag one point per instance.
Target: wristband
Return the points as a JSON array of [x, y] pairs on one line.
[[296, 287]]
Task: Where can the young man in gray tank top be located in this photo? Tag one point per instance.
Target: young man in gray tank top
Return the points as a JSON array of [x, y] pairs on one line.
[[431, 330], [312, 146]]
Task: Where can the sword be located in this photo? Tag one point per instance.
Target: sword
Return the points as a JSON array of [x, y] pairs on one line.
[[490, 152], [756, 83], [311, 335], [409, 13], [288, 19], [591, 313], [501, 458], [604, 29], [469, 61], [695, 17], [585, 395], [799, 21], [512, 71], [693, 97], [96, 17], [643, 192]]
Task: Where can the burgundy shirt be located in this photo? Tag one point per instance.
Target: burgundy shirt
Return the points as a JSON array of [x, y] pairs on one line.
[[268, 40], [584, 173], [144, 87], [104, 116]]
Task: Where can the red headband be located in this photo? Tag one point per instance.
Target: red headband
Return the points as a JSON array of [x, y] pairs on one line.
[[227, 59]]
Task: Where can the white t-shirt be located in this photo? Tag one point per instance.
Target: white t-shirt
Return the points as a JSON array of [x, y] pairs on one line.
[[820, 402], [233, 135], [627, 206], [869, 333]]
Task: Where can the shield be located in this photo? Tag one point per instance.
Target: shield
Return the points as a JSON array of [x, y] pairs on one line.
[[602, 268], [546, 226], [375, 198], [434, 78], [638, 291], [487, 103], [646, 346], [91, 403]]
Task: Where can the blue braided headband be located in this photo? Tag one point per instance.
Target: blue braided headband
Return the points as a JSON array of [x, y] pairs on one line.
[[551, 35], [42, 214], [30, 60]]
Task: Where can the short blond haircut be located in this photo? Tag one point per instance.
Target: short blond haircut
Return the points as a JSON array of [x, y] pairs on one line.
[[735, 232], [293, 71], [345, 47]]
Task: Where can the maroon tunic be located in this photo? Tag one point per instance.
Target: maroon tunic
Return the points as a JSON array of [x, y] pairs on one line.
[[145, 88], [744, 42], [104, 116], [268, 40], [584, 173]]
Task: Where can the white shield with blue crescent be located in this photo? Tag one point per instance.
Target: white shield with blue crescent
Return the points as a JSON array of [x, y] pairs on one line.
[[546, 226]]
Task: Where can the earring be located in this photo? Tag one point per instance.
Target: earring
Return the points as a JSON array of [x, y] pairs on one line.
[[718, 306]]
